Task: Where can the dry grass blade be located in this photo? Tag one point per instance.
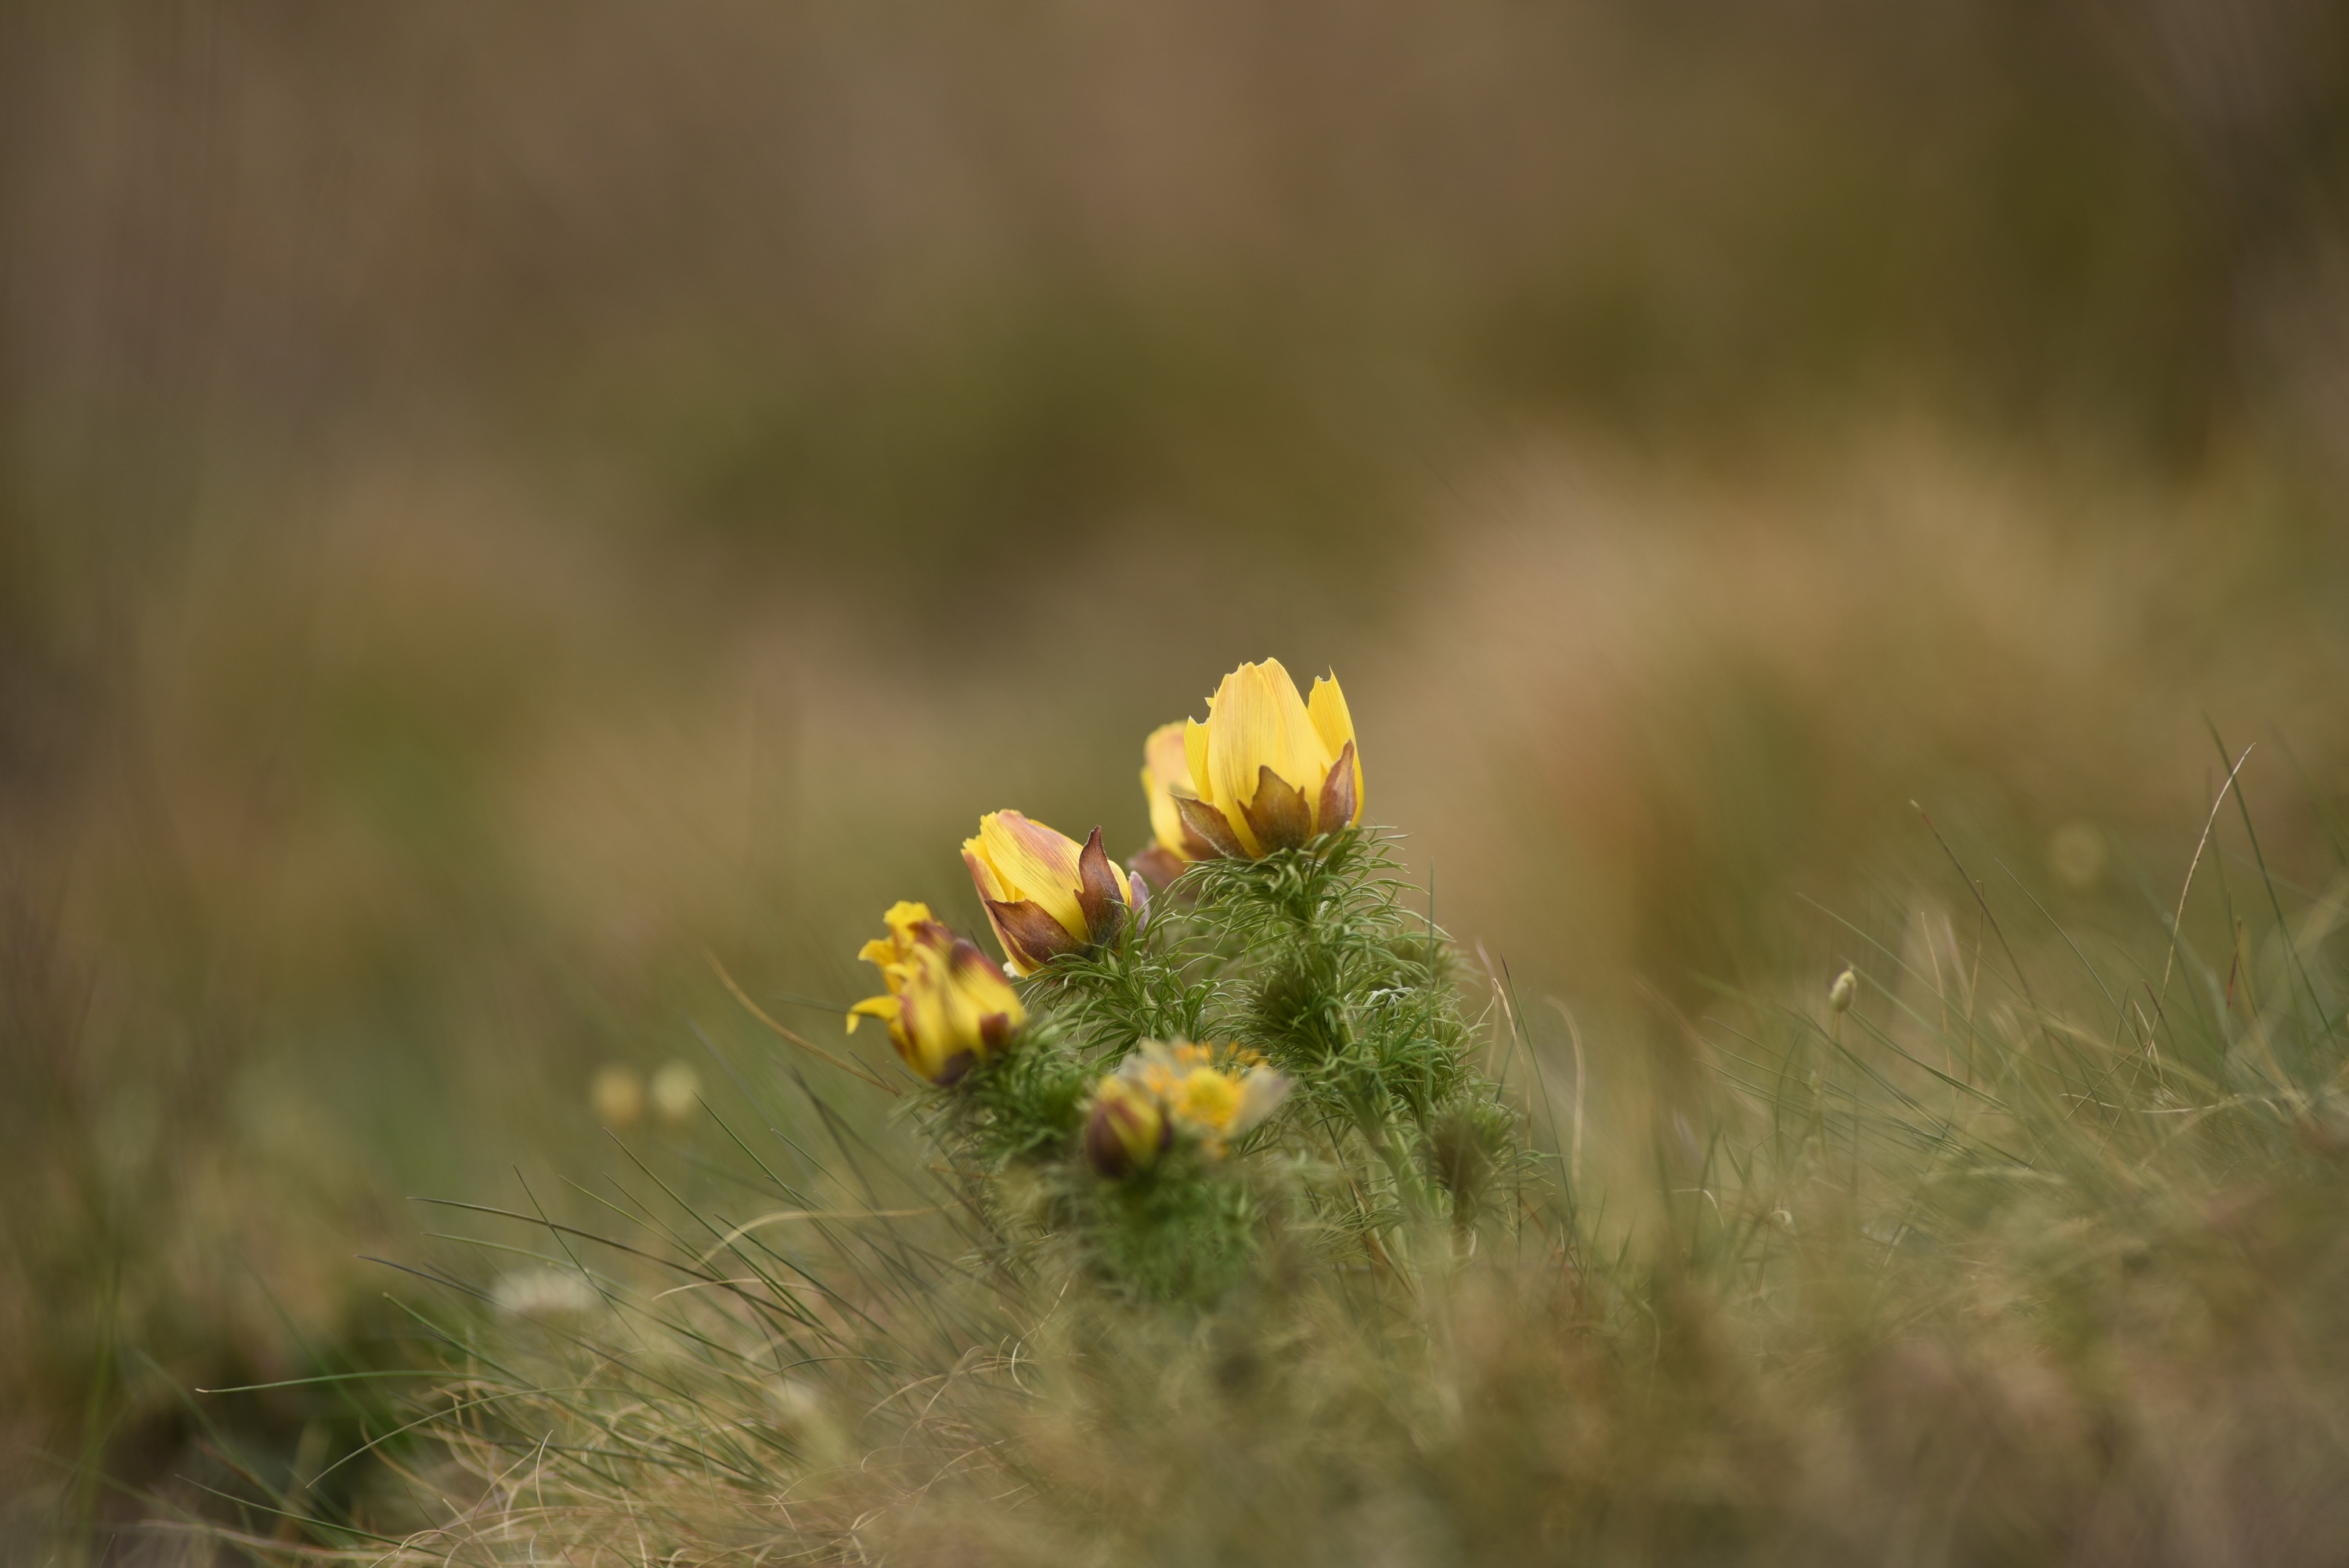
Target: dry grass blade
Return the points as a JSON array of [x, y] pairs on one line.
[[792, 1036]]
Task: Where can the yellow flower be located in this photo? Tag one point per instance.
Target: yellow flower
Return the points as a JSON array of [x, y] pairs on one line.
[[1045, 894], [947, 1008], [1207, 1099], [1268, 770], [1174, 844], [1125, 1130], [1207, 1094]]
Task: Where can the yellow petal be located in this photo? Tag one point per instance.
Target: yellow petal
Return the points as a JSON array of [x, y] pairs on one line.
[[960, 991], [1165, 753], [1335, 725], [957, 1028], [1194, 755], [910, 927], [1031, 861], [1165, 768], [1123, 1129], [988, 991], [983, 873], [1257, 721], [926, 1034], [1261, 1092], [905, 917], [1161, 807], [882, 1007], [1209, 743], [990, 891]]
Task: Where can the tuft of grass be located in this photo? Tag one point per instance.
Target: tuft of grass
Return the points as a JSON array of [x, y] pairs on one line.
[[2018, 1256]]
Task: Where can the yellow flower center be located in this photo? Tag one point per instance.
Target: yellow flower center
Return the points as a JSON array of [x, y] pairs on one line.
[[1208, 1097]]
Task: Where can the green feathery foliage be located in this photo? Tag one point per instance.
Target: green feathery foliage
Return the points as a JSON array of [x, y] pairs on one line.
[[1313, 959]]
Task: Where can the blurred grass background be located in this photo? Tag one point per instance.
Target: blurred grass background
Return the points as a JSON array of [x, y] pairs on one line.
[[496, 504]]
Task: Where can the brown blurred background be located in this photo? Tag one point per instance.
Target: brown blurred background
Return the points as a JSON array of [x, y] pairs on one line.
[[496, 501]]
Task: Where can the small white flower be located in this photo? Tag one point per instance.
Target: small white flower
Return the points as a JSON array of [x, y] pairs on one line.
[[541, 1294], [677, 1092]]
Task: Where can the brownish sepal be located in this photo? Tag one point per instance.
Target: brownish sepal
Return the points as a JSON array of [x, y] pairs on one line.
[[1098, 895], [1211, 826], [1159, 866], [1337, 801], [1037, 936], [1279, 814]]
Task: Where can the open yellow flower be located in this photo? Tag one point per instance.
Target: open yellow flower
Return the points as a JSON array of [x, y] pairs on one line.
[[1269, 770], [947, 1008], [1207, 1095], [1045, 894]]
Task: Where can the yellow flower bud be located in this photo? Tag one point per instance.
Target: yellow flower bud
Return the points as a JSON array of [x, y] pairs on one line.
[[1268, 770], [1045, 894], [1126, 1130], [947, 1008]]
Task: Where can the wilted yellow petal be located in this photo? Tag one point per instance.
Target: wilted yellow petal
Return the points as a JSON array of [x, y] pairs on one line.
[[905, 918], [921, 1033], [947, 1006], [984, 987], [952, 1023]]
